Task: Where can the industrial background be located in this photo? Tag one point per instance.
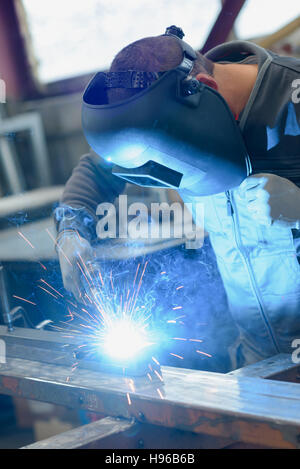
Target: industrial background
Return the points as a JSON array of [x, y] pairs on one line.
[[49, 50]]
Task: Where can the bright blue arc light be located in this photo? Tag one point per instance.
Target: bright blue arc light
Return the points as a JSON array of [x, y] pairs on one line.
[[124, 340]]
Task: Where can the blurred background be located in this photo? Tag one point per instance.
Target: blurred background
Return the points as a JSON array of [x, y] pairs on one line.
[[49, 50]]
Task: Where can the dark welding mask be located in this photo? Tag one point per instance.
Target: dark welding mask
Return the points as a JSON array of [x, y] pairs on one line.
[[175, 133]]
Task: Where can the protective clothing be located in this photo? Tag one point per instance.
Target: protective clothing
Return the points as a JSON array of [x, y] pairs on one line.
[[260, 273], [258, 263], [73, 252]]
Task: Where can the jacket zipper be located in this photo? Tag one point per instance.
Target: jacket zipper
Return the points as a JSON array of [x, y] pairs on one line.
[[238, 241]]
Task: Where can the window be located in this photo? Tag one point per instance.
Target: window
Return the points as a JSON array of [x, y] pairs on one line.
[[71, 38], [263, 17]]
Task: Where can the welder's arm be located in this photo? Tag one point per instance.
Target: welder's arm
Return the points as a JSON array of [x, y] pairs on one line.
[[91, 183]]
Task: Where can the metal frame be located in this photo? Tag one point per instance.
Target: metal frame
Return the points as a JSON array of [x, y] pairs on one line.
[[237, 407], [32, 123]]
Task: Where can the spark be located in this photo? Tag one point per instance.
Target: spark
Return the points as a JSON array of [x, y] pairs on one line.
[[25, 239], [131, 385], [85, 267], [177, 356], [160, 393], [87, 296], [100, 276], [75, 365], [86, 326], [111, 281], [155, 361], [58, 247], [159, 376], [49, 293], [136, 273], [128, 398], [23, 299], [203, 353], [114, 320], [48, 285], [83, 273], [118, 326], [180, 317]]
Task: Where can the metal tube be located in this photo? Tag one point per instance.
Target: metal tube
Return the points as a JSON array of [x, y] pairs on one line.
[[4, 301]]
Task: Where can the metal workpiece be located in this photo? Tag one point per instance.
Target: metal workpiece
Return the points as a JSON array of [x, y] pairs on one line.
[[42, 346], [4, 301], [114, 433], [60, 348], [238, 408], [281, 367], [254, 411]]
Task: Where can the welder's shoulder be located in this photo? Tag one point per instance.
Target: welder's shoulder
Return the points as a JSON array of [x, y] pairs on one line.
[[94, 161], [288, 62], [92, 169]]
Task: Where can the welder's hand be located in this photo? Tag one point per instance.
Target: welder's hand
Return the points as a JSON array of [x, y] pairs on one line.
[[272, 200], [73, 252]]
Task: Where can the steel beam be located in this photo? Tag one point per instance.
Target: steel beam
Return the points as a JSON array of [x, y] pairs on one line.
[[281, 367], [244, 409], [238, 408], [113, 433]]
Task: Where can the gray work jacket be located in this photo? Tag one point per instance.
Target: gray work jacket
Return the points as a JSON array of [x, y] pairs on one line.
[[258, 264]]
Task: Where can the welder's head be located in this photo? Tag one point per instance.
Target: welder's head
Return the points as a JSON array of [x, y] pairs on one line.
[[156, 54], [158, 117]]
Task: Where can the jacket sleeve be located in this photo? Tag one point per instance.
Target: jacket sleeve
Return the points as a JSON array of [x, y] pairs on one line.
[[90, 184]]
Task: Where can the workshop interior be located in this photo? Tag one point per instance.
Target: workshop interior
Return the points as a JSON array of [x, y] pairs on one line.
[[142, 348]]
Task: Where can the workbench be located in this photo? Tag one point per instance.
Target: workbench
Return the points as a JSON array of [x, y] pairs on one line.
[[256, 406]]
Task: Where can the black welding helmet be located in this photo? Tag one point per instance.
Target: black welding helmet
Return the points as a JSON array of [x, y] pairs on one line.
[[175, 133]]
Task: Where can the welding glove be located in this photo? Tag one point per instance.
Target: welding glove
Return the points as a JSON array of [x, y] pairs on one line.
[[272, 200], [73, 252]]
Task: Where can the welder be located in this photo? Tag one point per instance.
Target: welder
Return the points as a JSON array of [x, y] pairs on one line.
[[222, 129]]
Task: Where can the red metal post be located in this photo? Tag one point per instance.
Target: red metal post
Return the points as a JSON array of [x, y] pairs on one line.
[[14, 65], [224, 23]]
